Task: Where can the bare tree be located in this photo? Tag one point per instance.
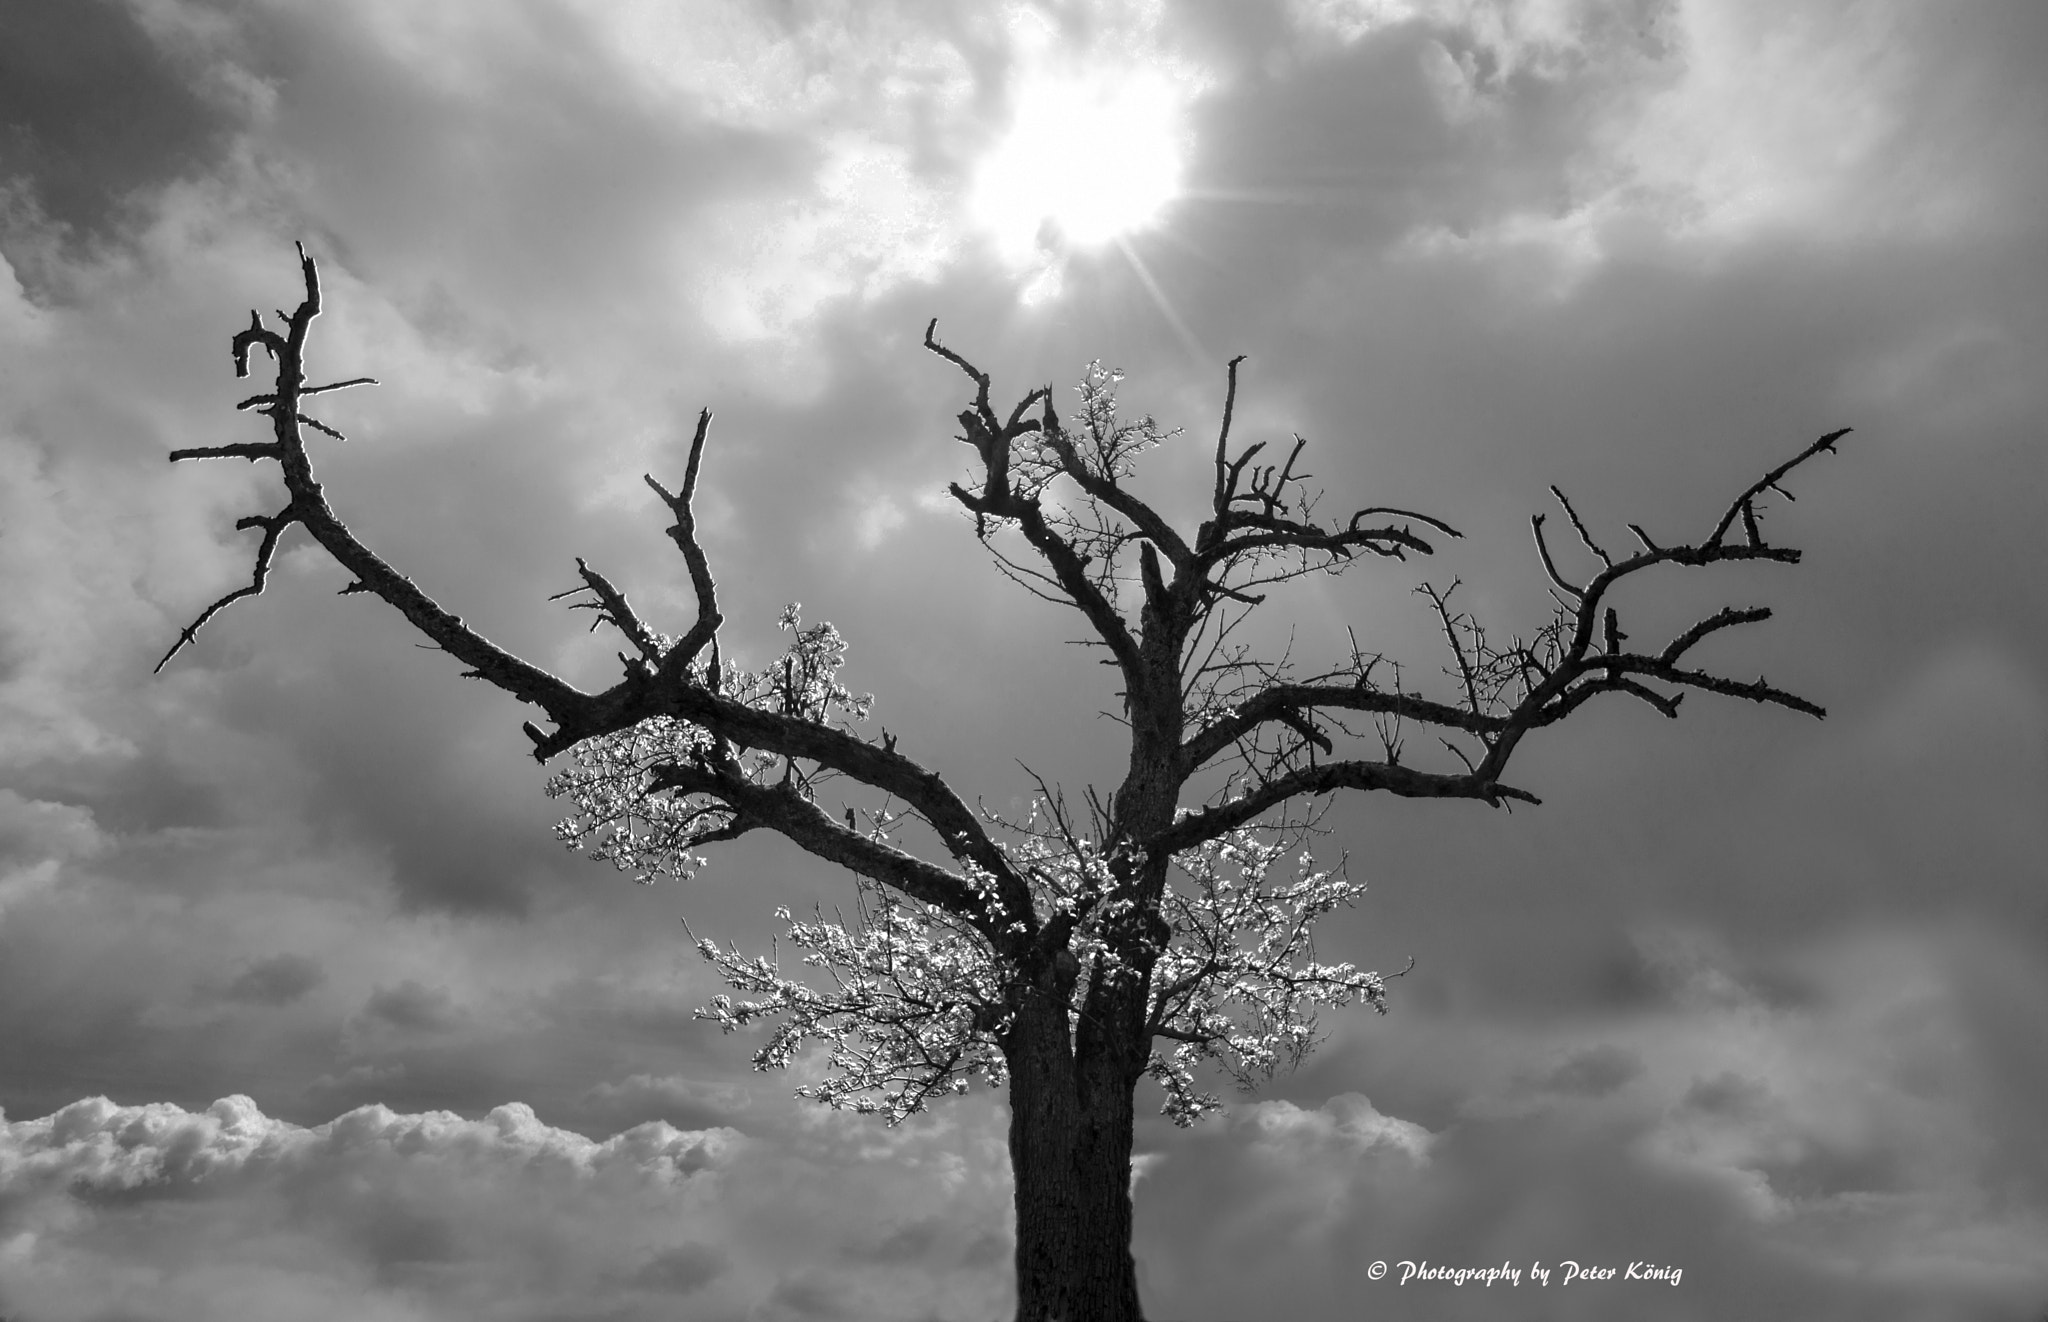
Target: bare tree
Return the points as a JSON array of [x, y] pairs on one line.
[[1069, 954]]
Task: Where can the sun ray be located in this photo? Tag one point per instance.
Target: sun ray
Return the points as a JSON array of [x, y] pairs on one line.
[[1181, 330], [1190, 247], [1299, 195]]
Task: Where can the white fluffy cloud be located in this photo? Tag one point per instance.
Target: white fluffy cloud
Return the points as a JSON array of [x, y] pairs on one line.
[[171, 1214]]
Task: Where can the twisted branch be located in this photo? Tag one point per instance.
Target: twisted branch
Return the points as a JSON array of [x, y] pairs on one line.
[[660, 682]]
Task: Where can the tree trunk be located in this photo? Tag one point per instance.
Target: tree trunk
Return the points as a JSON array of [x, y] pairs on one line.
[[1070, 1159]]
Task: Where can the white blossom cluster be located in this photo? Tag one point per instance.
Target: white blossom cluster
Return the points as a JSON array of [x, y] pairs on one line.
[[617, 820], [1239, 984], [907, 999], [1102, 444], [914, 1005], [911, 1010]]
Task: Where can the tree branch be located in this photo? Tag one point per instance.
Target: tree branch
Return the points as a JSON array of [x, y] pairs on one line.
[[1224, 491], [1278, 701], [1744, 504], [273, 527], [1549, 565], [1587, 662], [1204, 824], [783, 809], [611, 607], [1579, 526], [252, 452], [683, 532], [999, 499], [669, 689], [1107, 490]]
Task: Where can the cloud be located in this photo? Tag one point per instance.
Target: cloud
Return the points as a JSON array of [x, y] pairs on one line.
[[278, 980], [1592, 1072], [1750, 995], [33, 830], [410, 1005], [672, 1098], [195, 1214], [1709, 126], [681, 1270], [1566, 137], [878, 517], [1799, 1154], [98, 113], [37, 839]]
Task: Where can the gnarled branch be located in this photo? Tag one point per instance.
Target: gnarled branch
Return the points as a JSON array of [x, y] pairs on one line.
[[667, 685]]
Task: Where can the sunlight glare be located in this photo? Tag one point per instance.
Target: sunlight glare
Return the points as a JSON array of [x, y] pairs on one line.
[[1093, 159]]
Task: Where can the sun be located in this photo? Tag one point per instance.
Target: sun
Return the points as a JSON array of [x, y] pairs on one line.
[[1090, 158]]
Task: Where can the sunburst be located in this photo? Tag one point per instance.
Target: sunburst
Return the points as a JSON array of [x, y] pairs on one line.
[[1087, 159]]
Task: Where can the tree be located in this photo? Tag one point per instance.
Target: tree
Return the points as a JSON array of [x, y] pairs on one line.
[[1052, 955]]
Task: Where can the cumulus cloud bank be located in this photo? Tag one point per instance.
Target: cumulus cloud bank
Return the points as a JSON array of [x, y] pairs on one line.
[[154, 1211]]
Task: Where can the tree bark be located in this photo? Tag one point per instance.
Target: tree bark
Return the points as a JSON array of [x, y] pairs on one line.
[[1070, 1160]]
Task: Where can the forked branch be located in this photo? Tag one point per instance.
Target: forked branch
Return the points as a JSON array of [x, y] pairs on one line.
[[1744, 505], [662, 680], [273, 527], [1262, 529], [1510, 691]]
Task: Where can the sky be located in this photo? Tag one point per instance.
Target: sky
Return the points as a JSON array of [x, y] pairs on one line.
[[305, 1014]]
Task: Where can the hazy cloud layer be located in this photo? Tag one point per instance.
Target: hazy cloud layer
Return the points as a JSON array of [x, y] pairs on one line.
[[1748, 996]]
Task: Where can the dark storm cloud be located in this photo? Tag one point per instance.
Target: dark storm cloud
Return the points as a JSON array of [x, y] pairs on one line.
[[411, 1005], [278, 980], [1593, 1072], [95, 113], [681, 1270]]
